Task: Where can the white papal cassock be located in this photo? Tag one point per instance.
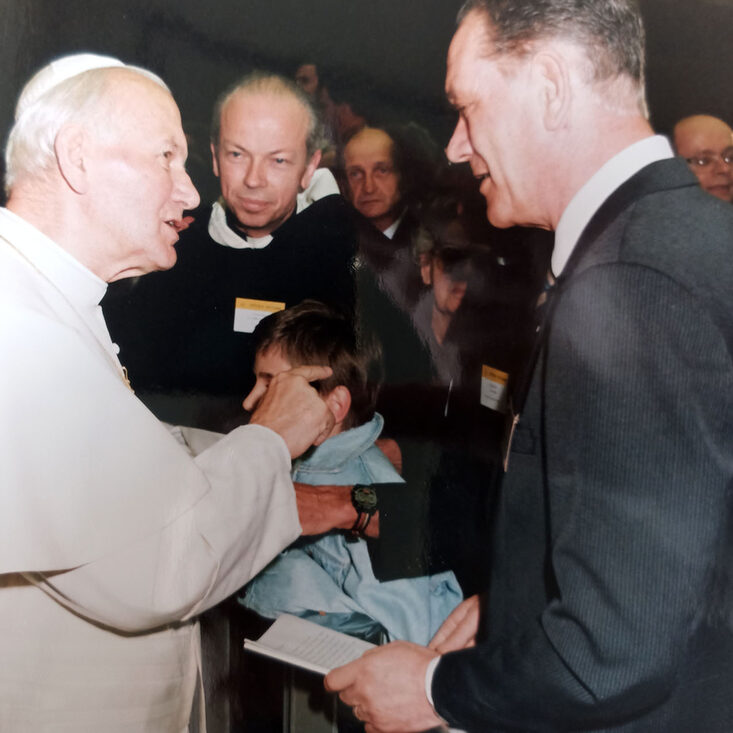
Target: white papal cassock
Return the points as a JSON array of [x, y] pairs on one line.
[[112, 538]]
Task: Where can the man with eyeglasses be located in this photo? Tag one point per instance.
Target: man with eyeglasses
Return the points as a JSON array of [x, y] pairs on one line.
[[706, 143]]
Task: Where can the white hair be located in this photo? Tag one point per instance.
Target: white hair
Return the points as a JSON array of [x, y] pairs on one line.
[[53, 98]]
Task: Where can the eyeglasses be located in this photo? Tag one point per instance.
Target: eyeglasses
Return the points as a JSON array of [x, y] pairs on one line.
[[706, 159]]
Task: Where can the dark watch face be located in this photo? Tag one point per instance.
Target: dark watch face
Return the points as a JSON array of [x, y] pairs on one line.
[[365, 498]]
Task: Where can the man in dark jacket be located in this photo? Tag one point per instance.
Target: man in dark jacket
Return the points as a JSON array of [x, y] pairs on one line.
[[279, 234], [611, 594]]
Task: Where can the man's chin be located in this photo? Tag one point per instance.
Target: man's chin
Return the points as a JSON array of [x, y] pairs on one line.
[[721, 192], [256, 225], [497, 217], [165, 261], [373, 211]]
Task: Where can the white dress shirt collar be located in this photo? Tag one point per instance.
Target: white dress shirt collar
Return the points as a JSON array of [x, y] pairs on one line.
[[322, 184], [389, 232], [223, 234], [598, 188]]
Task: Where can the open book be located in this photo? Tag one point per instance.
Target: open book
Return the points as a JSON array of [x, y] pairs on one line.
[[307, 645]]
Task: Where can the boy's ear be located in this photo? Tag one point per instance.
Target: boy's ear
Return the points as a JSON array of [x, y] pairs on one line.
[[339, 402]]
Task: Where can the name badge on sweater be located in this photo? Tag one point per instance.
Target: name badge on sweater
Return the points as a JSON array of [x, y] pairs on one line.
[[248, 313], [494, 388]]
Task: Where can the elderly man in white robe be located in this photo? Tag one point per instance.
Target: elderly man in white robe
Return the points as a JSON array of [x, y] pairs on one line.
[[112, 536]]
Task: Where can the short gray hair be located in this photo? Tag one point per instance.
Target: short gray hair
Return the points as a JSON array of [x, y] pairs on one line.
[[610, 31], [263, 82], [40, 117]]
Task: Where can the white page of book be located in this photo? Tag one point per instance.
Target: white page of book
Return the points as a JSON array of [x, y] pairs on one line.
[[308, 645]]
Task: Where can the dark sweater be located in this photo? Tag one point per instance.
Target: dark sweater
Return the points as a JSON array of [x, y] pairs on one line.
[[176, 330]]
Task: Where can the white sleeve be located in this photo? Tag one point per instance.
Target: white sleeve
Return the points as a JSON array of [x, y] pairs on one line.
[[205, 554]]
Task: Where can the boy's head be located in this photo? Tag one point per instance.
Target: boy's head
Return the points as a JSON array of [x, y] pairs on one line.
[[314, 334]]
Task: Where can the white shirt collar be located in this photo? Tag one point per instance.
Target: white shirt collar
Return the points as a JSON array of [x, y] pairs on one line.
[[322, 184], [223, 234], [598, 188], [389, 232]]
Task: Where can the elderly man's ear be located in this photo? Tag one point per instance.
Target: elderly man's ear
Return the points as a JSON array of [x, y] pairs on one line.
[[70, 147], [551, 72]]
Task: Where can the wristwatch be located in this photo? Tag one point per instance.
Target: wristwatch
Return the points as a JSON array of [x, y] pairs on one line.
[[364, 499]]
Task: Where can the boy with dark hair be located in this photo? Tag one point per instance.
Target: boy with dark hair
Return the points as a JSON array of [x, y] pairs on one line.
[[332, 574]]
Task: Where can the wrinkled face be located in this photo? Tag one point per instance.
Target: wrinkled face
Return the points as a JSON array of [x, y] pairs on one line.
[[707, 145], [268, 364], [138, 185], [261, 158], [374, 185], [306, 77], [495, 130]]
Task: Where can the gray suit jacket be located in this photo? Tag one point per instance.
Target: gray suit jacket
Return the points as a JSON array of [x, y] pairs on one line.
[[611, 597]]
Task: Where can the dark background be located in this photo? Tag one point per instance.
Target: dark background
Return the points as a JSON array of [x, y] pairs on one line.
[[391, 51]]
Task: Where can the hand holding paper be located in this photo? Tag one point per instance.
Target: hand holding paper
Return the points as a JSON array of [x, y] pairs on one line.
[[386, 688]]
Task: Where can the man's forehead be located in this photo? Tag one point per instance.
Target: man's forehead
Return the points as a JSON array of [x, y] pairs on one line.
[[247, 104], [470, 44], [705, 137], [247, 109], [306, 71], [132, 96], [125, 84], [370, 144]]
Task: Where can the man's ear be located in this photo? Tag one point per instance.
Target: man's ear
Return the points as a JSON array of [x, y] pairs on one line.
[[214, 161], [310, 169], [425, 269], [552, 75], [70, 148], [339, 402]]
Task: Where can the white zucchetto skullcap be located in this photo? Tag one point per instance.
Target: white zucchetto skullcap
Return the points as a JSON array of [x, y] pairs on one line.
[[58, 71]]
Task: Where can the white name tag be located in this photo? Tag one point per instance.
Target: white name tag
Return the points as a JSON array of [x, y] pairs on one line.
[[494, 388], [248, 313]]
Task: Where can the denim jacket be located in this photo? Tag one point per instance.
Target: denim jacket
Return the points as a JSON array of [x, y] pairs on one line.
[[332, 576]]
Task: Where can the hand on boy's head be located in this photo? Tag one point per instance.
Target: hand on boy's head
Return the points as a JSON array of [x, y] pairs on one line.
[[293, 409]]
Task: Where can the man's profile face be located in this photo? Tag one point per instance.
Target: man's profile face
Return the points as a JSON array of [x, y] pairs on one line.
[[306, 77], [707, 143], [138, 185], [374, 185], [495, 130], [261, 158]]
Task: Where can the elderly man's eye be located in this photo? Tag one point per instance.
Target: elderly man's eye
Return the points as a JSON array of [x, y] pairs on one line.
[[701, 161]]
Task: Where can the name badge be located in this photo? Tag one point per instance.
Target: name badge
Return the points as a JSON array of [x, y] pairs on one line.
[[248, 313], [494, 388]]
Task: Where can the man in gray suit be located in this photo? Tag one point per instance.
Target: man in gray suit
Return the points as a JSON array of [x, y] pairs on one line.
[[611, 597]]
